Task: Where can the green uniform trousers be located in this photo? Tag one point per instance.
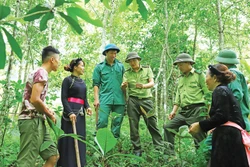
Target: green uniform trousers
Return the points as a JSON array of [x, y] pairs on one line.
[[185, 117], [144, 107], [33, 134], [103, 115]]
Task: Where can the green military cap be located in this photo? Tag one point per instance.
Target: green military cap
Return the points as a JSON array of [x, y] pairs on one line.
[[227, 56], [132, 55], [183, 57]]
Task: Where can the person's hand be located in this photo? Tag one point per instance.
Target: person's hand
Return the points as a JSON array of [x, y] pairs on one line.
[[53, 118], [139, 86], [89, 111], [96, 103], [52, 115], [72, 117], [124, 85], [171, 115], [194, 128]]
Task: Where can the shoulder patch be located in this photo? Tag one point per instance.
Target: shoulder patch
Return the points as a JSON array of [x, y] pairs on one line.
[[129, 69], [145, 66], [101, 62], [197, 71]]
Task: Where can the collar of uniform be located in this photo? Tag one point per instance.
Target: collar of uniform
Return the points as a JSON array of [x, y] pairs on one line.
[[190, 72], [131, 69], [232, 66], [105, 61]]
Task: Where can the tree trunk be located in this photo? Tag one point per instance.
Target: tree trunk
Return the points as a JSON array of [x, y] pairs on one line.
[[6, 95], [220, 26], [104, 33], [195, 38], [111, 33]]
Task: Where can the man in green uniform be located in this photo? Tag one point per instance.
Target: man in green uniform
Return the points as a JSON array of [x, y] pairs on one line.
[[189, 97], [109, 97], [139, 79], [239, 85]]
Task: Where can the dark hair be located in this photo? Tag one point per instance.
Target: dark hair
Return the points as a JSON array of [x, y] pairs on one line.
[[73, 63], [222, 73], [47, 51]]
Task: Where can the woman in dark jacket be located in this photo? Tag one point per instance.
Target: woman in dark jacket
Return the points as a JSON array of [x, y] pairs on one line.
[[74, 100], [227, 147]]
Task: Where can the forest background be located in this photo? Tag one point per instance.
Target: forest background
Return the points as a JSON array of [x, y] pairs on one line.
[[157, 29]]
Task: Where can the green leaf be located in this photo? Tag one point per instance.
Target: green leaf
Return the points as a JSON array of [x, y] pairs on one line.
[[151, 4], [245, 64], [36, 13], [12, 25], [105, 140], [46, 145], [128, 2], [45, 19], [59, 3], [72, 23], [2, 51], [76, 11], [123, 6], [58, 131], [134, 7], [184, 131], [4, 11], [87, 1], [142, 9], [106, 3], [13, 43]]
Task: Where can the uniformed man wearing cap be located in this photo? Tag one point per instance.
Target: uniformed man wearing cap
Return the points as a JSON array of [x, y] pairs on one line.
[[108, 95], [189, 98], [139, 79], [239, 85]]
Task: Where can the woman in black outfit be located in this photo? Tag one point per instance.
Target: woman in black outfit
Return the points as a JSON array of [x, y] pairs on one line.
[[74, 100], [227, 147]]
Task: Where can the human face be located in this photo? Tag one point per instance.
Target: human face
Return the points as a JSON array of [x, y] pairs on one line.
[[211, 81], [134, 64], [79, 69], [111, 55], [184, 67], [55, 60]]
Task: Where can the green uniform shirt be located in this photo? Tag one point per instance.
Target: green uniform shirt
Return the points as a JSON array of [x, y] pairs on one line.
[[142, 76], [191, 89], [109, 79], [240, 90]]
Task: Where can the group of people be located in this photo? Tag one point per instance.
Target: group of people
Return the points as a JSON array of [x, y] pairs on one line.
[[114, 88]]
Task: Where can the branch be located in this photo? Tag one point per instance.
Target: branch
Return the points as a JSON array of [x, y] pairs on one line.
[[19, 18]]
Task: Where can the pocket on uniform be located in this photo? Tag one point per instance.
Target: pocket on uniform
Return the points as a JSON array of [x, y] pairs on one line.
[[105, 75], [118, 75]]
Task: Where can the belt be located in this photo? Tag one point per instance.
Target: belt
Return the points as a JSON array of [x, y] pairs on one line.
[[29, 114], [76, 100], [191, 106], [140, 97]]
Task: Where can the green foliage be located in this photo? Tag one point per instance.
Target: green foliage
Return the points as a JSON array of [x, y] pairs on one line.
[[106, 3], [105, 140], [13, 43], [4, 11], [59, 2], [43, 23], [2, 51], [77, 11], [75, 26], [36, 13], [142, 9]]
